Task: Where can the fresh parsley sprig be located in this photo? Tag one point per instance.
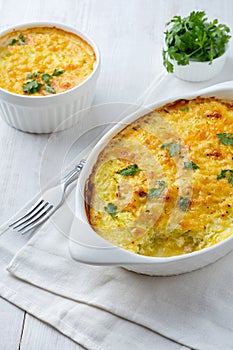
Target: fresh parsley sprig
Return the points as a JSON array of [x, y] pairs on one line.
[[49, 88], [184, 203], [21, 40], [191, 165], [57, 72], [223, 175], [46, 78], [226, 138], [32, 75], [174, 148], [157, 191], [33, 86], [130, 170], [194, 38], [13, 42], [111, 209]]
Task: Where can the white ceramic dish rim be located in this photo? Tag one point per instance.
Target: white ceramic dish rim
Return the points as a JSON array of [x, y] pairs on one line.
[[132, 257], [63, 26]]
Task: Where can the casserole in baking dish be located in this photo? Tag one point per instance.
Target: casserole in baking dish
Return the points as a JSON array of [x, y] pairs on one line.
[[163, 185], [190, 162]]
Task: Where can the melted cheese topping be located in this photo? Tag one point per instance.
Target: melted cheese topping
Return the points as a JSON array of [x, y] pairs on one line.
[[45, 49], [169, 207]]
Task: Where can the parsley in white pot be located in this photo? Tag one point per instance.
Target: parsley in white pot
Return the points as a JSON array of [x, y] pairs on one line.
[[195, 48]]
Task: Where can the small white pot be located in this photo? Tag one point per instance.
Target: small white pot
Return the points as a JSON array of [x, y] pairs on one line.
[[45, 114], [199, 71]]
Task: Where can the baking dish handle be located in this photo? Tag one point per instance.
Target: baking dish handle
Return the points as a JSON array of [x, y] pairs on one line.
[[86, 246]]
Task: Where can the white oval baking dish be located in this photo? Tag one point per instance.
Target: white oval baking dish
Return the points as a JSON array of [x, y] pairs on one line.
[[88, 247], [45, 114]]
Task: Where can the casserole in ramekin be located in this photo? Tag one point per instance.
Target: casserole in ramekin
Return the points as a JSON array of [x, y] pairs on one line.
[[53, 112], [89, 247]]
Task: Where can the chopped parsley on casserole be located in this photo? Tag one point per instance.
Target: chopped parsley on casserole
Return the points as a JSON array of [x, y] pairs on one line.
[[43, 60], [163, 186]]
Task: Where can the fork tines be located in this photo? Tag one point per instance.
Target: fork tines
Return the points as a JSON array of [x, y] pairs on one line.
[[36, 213]]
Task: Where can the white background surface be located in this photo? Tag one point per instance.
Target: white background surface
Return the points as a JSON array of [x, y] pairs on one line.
[[130, 36]]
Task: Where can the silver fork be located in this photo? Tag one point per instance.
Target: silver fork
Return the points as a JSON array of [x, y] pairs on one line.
[[51, 200]]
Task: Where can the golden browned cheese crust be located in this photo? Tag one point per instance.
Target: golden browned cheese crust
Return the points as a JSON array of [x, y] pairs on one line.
[[163, 186], [44, 49]]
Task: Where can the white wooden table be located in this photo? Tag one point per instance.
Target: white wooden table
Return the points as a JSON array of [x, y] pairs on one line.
[[130, 36]]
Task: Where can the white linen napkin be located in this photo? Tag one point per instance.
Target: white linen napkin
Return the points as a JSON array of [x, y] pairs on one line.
[[94, 305], [193, 309], [34, 282]]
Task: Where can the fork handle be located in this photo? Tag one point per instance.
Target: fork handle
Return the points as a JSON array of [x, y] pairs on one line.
[[73, 174]]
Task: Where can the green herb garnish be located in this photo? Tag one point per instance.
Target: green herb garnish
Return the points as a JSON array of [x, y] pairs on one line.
[[49, 88], [157, 191], [32, 87], [194, 38], [223, 175], [32, 75], [226, 138], [46, 78], [130, 170], [184, 203], [13, 42], [184, 109], [22, 39], [29, 76], [174, 148], [57, 72], [191, 165], [111, 209]]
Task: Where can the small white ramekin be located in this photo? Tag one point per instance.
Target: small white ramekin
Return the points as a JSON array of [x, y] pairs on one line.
[[46, 114], [199, 71]]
